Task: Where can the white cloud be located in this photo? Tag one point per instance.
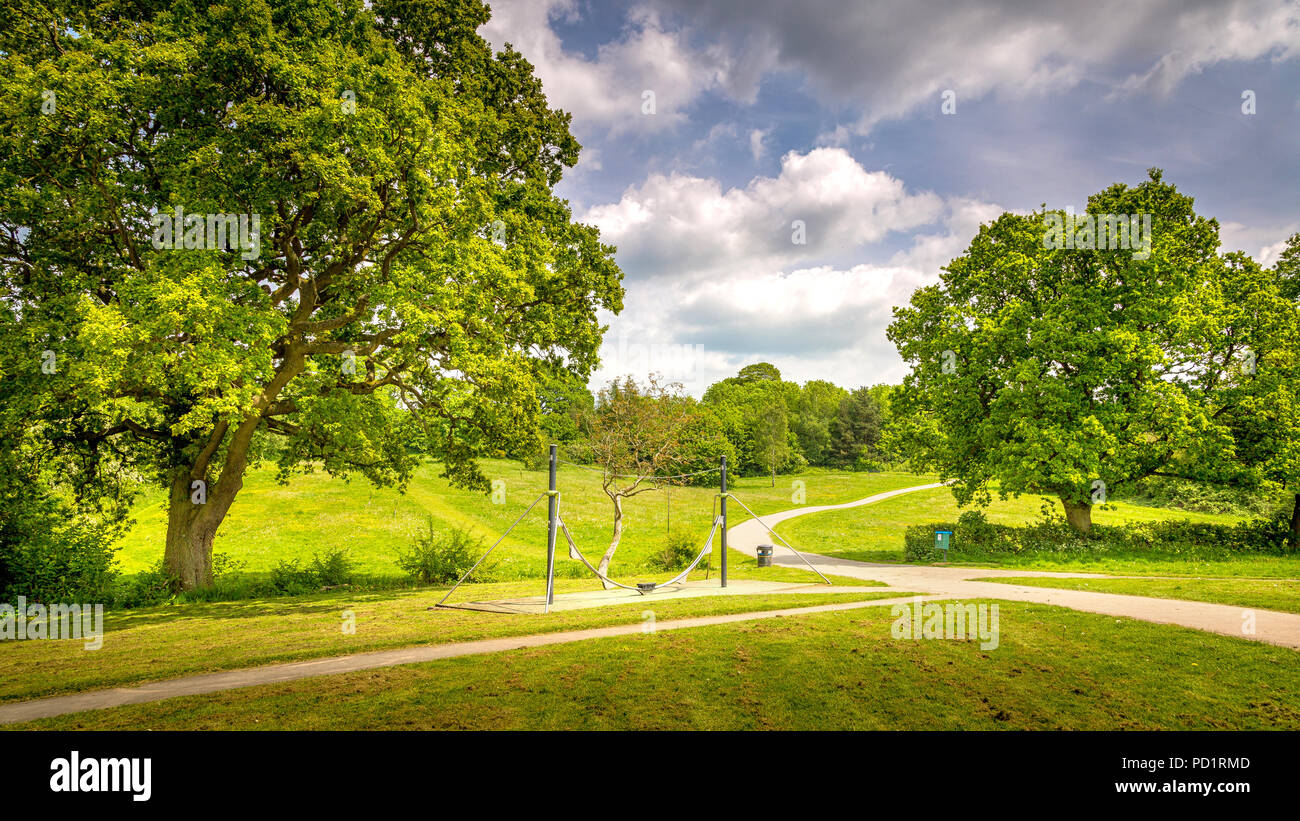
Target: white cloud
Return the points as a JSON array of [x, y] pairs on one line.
[[893, 58], [813, 323], [883, 61], [1210, 35], [1264, 244], [607, 91], [714, 265], [719, 133], [719, 285], [837, 137], [680, 225], [930, 252]]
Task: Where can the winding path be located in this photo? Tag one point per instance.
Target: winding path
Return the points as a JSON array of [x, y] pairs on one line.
[[934, 582], [956, 582]]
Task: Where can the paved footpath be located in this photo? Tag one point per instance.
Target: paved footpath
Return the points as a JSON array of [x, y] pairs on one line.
[[955, 582], [292, 671], [935, 582]]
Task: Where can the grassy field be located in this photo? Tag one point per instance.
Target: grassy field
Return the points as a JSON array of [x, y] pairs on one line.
[[165, 642], [1267, 594], [874, 533], [270, 523], [1053, 668]]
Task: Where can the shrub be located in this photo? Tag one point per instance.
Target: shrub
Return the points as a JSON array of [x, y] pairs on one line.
[[225, 566], [441, 558], [677, 554], [535, 458], [918, 543], [1184, 494], [334, 569], [153, 586], [59, 520], [57, 562], [974, 536], [867, 462], [290, 578]]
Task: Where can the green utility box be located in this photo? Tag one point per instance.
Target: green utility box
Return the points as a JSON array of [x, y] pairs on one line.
[[943, 541]]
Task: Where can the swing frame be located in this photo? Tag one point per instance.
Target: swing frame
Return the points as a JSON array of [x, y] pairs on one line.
[[555, 524]]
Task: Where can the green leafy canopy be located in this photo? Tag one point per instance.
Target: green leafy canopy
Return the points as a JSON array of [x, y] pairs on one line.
[[1046, 369], [402, 175]]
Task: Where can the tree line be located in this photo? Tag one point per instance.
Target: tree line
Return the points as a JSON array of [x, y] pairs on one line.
[[762, 423], [649, 435]]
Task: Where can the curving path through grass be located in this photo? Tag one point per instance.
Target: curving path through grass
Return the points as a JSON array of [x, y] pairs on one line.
[[931, 583], [955, 582]]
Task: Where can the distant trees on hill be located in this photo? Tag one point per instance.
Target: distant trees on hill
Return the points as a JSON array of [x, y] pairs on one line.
[[765, 424]]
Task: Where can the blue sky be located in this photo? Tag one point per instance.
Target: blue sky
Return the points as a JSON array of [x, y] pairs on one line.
[[828, 114]]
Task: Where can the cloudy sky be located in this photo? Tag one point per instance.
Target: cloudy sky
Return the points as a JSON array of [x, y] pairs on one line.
[[718, 133]]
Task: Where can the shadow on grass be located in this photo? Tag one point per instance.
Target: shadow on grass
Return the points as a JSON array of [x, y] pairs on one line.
[[374, 590], [333, 600]]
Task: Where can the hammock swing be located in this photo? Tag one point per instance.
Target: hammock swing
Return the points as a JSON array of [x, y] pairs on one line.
[[575, 553], [641, 587], [556, 525]]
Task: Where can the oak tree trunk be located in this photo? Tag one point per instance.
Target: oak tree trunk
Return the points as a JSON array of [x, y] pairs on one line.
[[1078, 514], [191, 527], [188, 554]]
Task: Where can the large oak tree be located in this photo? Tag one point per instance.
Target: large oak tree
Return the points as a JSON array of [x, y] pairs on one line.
[[1264, 413], [1061, 371], [416, 273]]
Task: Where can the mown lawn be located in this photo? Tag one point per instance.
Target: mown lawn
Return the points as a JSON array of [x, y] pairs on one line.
[[270, 523], [1053, 669], [165, 642], [874, 533], [1267, 594]]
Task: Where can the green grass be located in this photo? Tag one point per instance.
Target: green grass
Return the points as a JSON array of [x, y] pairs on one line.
[[270, 523], [166, 642], [874, 533], [1267, 594], [1243, 566], [1053, 669]]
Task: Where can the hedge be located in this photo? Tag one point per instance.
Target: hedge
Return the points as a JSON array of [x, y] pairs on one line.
[[974, 536]]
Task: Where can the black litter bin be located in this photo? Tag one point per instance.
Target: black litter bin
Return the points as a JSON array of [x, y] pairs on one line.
[[765, 555]]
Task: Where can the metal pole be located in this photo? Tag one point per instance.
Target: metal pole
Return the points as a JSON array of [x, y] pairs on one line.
[[776, 535], [724, 521], [494, 546], [552, 508]]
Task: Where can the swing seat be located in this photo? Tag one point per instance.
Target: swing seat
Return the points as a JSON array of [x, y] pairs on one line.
[[646, 587]]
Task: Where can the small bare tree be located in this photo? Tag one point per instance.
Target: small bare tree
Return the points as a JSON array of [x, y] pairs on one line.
[[772, 438], [635, 437]]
